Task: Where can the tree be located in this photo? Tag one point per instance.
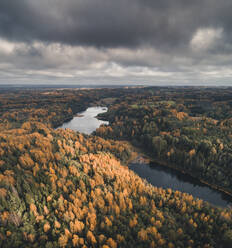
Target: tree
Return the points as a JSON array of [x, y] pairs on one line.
[[227, 238], [159, 145]]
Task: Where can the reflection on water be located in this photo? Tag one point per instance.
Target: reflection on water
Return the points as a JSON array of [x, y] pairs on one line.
[[164, 177], [158, 176], [86, 123]]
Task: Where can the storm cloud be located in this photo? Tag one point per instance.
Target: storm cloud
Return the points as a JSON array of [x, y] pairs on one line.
[[103, 41]]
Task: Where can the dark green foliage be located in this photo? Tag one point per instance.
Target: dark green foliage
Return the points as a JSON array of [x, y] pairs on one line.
[[177, 127]]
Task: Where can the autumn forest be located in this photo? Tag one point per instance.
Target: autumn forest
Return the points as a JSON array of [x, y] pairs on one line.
[[61, 188]]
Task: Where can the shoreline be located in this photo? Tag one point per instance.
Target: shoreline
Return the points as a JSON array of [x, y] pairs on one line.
[[147, 157], [142, 157], [213, 186]]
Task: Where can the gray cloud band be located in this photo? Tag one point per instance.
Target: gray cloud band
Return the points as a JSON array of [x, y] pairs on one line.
[[105, 23], [119, 38]]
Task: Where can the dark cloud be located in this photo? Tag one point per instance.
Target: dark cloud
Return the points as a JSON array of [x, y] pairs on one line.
[[150, 41], [104, 23]]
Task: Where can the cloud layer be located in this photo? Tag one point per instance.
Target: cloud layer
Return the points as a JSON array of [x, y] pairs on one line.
[[124, 41]]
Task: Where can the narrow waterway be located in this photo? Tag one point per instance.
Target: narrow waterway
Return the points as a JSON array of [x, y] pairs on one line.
[[159, 176]]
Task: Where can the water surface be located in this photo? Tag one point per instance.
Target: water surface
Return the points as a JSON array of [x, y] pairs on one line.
[[86, 121], [164, 177], [157, 175]]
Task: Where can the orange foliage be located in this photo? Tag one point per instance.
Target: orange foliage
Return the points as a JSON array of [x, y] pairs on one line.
[[111, 243], [91, 238], [46, 227], [26, 161], [63, 240]]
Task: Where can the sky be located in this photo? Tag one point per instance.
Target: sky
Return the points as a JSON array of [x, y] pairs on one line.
[[151, 42]]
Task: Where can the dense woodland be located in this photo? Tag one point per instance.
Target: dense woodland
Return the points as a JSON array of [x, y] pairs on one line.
[[187, 129], [60, 188]]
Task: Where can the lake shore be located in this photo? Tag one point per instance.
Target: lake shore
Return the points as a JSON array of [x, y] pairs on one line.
[[149, 159], [138, 155]]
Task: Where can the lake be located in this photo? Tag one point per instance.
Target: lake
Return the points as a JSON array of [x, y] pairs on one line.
[[86, 121], [156, 175], [164, 177]]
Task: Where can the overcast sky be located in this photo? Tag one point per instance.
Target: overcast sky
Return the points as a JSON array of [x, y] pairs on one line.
[[152, 42]]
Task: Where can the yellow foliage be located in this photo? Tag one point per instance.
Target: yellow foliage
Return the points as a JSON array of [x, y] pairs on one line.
[[49, 198], [133, 222], [46, 227], [161, 242], [33, 209], [26, 161], [77, 226], [111, 243], [142, 235], [120, 238], [108, 222], [171, 245], [180, 231], [63, 240], [81, 241], [39, 218], [91, 238], [57, 224], [75, 240], [152, 230], [3, 192], [101, 238], [192, 152], [31, 237], [46, 211]]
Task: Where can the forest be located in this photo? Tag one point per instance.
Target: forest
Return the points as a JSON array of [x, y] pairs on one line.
[[61, 188], [190, 130]]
